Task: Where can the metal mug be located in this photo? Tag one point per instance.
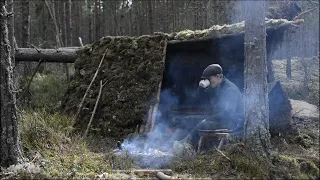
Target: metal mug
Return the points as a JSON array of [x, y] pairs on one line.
[[204, 83]]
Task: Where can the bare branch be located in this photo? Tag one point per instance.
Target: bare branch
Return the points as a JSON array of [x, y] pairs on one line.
[[313, 2], [34, 47], [87, 91], [303, 13], [222, 154], [94, 110]]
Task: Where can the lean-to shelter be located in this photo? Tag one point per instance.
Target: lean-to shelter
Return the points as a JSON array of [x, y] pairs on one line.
[[145, 76]]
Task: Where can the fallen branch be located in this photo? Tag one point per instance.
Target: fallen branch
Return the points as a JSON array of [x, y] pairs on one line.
[[222, 154], [87, 91], [94, 110], [303, 13]]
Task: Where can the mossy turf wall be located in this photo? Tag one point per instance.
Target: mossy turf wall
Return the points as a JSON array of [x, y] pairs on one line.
[[132, 70]]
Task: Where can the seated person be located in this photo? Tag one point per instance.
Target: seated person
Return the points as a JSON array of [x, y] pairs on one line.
[[226, 104]]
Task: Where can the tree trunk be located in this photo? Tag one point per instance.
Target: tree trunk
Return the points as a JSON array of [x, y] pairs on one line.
[[63, 19], [68, 32], [9, 149], [305, 91], [25, 37], [97, 19], [89, 21], [61, 55], [68, 24], [257, 134], [288, 57], [150, 15]]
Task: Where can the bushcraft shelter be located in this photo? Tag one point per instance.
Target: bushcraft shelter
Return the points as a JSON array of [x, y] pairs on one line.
[[146, 76]]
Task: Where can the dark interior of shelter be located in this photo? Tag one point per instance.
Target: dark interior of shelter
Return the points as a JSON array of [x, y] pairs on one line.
[[184, 64]]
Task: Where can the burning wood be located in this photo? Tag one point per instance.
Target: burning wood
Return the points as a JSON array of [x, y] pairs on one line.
[[144, 171], [190, 111], [151, 159]]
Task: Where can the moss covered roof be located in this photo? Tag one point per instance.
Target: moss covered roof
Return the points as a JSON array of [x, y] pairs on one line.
[[217, 31]]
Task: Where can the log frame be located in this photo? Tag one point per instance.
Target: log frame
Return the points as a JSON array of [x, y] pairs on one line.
[[61, 55]]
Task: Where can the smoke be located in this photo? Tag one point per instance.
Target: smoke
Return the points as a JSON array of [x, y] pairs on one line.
[[153, 147]]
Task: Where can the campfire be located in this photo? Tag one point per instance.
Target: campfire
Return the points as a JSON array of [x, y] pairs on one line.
[[154, 150], [145, 151]]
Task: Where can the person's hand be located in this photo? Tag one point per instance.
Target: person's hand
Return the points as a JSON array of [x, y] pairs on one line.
[[175, 120]]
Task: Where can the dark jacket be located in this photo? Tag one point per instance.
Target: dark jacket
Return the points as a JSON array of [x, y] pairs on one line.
[[227, 105]]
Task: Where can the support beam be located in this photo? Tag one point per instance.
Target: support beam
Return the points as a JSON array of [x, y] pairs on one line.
[[61, 55]]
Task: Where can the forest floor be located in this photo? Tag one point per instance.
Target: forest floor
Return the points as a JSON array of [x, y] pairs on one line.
[[52, 151]]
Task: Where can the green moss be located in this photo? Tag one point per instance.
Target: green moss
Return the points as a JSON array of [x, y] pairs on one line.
[[309, 168], [293, 161], [304, 140], [133, 68]]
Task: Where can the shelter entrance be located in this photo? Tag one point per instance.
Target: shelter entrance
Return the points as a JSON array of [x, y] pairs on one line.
[[185, 62]]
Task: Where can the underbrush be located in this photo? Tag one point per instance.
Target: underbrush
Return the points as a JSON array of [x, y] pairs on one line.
[[47, 143], [237, 162], [46, 90]]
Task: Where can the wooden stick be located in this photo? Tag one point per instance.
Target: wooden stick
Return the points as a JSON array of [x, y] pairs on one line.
[[162, 176], [94, 111], [35, 47], [303, 13], [143, 171], [87, 91], [155, 108], [222, 154], [80, 41]]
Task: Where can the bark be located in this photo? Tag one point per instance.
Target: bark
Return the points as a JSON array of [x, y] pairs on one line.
[[61, 55], [9, 138], [11, 28], [257, 134]]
